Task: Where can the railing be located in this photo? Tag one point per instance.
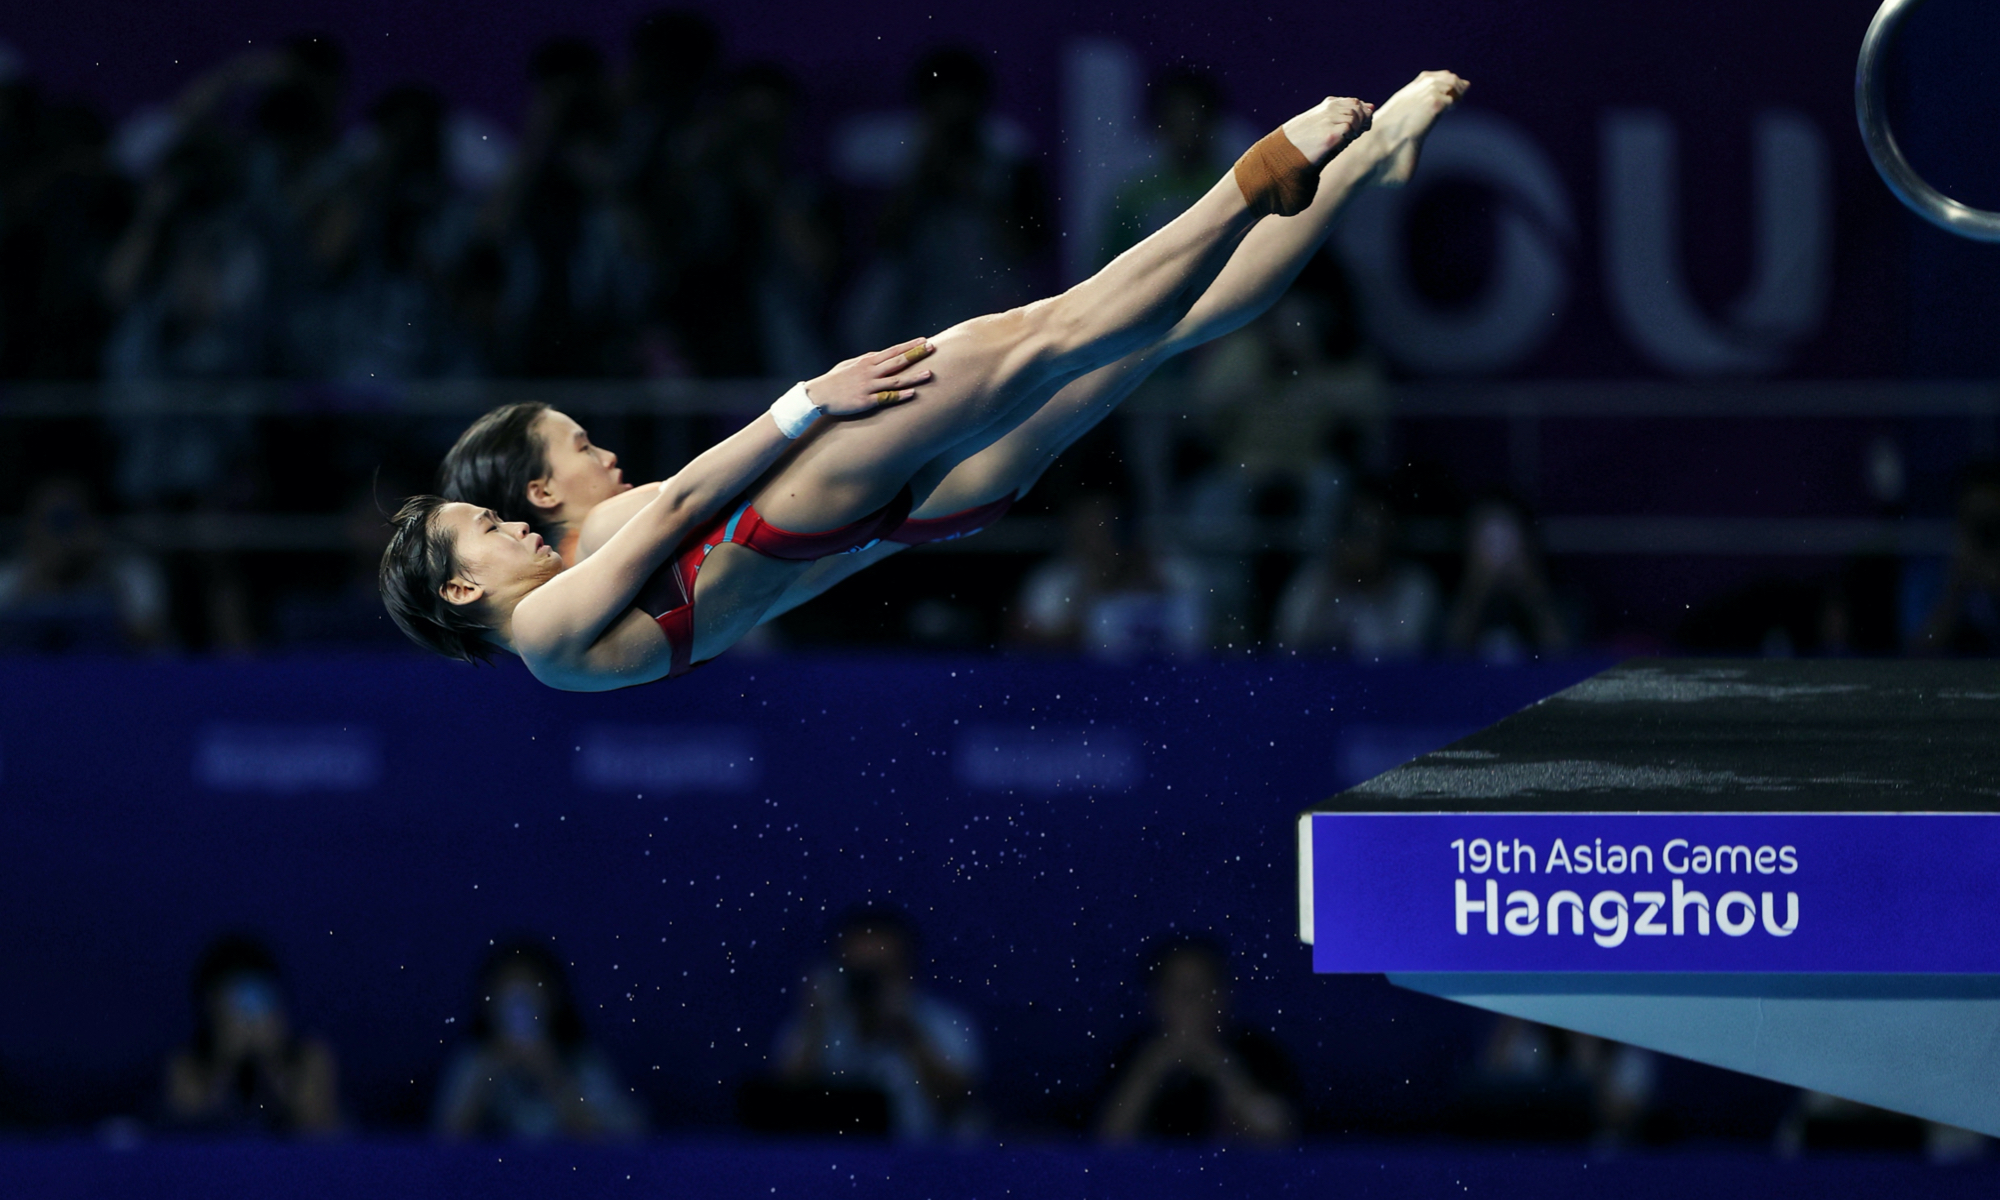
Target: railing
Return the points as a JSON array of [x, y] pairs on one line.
[[1526, 409], [1978, 400]]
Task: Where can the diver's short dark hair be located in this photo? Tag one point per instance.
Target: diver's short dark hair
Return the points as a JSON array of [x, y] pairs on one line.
[[420, 559], [494, 461]]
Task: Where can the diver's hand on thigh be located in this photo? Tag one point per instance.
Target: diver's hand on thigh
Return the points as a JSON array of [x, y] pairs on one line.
[[871, 381]]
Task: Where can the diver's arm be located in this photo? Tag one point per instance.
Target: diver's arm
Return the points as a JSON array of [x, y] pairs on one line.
[[859, 385]]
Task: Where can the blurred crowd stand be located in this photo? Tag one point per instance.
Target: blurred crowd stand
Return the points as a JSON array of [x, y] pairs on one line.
[[304, 261], [1534, 1082], [70, 586], [872, 1050]]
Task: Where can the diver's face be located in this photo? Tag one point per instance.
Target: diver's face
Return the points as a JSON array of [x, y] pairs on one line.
[[580, 474], [493, 555]]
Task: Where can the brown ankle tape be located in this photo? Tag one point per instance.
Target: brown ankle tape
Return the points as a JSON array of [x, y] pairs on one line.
[[1275, 178]]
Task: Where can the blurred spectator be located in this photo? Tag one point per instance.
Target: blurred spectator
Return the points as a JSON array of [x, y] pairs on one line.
[[1965, 618], [863, 1023], [1772, 616], [292, 96], [237, 236], [1356, 597], [577, 269], [1284, 390], [966, 219], [665, 128], [352, 613], [1504, 611], [1817, 1123], [295, 156], [386, 242], [1187, 112], [529, 1071], [1282, 406], [758, 244], [189, 281], [1536, 1082], [71, 587], [1107, 595], [674, 54], [62, 207], [1198, 1074], [245, 1070]]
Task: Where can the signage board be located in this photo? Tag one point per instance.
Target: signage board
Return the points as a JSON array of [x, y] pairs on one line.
[[1758, 892]]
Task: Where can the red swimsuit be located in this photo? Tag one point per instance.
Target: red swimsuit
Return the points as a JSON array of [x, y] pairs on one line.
[[668, 597]]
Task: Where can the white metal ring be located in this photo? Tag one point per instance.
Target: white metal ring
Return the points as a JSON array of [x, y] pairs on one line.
[[1872, 109]]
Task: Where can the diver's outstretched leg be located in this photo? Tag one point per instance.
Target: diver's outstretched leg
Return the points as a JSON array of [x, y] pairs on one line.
[[983, 368], [1007, 457]]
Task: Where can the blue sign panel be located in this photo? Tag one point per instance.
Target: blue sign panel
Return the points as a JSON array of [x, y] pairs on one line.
[[1684, 892]]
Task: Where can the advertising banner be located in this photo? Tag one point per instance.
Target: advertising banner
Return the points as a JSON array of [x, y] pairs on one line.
[[1757, 893]]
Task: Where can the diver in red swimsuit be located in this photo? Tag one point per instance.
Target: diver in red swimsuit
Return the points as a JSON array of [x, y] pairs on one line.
[[529, 462], [1003, 394]]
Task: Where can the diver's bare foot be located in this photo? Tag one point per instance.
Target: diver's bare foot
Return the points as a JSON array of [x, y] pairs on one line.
[[1405, 118], [1326, 128]]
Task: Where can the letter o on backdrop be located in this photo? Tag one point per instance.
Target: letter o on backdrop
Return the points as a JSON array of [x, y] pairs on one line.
[[1524, 297], [1736, 928]]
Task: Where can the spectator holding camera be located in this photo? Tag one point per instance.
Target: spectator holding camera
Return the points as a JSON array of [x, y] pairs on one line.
[[1965, 620], [245, 1070], [1357, 596], [1197, 1074], [529, 1072], [864, 1022], [1505, 610]]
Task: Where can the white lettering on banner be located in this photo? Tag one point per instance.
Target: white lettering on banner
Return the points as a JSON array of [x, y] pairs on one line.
[[1523, 909], [1791, 235], [1528, 284], [1608, 916], [288, 758], [1490, 906], [1045, 758], [1683, 900], [1678, 856], [668, 758], [1611, 915]]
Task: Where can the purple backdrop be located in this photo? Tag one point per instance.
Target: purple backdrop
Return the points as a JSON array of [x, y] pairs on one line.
[[1556, 70]]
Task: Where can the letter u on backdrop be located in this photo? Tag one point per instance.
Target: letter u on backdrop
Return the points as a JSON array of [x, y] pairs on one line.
[[1771, 925]]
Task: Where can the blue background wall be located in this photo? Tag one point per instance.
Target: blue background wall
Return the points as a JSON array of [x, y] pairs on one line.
[[380, 820]]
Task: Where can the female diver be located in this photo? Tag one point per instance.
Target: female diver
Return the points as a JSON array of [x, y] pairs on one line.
[[1004, 394]]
